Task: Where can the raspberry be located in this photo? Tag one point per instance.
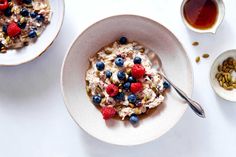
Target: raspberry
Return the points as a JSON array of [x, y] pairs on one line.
[[112, 90], [13, 30], [108, 112], [136, 87], [137, 71], [3, 4]]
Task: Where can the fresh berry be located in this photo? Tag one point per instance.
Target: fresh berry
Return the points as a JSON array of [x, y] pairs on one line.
[[121, 75], [27, 1], [123, 40], [3, 4], [24, 12], [120, 96], [32, 34], [127, 85], [131, 79], [134, 119], [4, 28], [119, 61], [40, 18], [132, 98], [8, 12], [33, 14], [13, 30], [138, 71], [136, 87], [100, 66], [137, 60], [138, 103], [1, 45], [166, 85], [22, 25], [108, 74], [97, 99], [108, 112], [112, 90]]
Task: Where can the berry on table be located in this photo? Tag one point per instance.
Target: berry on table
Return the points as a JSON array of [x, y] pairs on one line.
[[13, 30], [123, 40], [121, 75], [120, 96], [138, 71], [40, 18], [97, 99], [134, 119], [32, 34], [112, 90], [8, 12], [22, 25], [136, 87], [24, 12], [166, 85], [132, 98], [108, 112], [137, 60], [108, 74], [27, 1], [131, 79], [3, 4], [4, 28], [33, 14], [100, 66], [127, 85], [119, 61]]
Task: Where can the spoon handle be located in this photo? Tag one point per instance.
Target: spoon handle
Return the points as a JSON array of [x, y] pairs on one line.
[[196, 107]]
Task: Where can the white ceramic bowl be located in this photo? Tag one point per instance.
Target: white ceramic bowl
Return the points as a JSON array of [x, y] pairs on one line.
[[225, 94], [152, 35], [28, 53]]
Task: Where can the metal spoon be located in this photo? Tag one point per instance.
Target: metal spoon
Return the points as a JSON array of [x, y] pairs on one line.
[[157, 64]]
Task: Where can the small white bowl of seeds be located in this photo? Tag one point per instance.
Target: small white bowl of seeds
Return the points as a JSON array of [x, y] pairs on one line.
[[223, 75]]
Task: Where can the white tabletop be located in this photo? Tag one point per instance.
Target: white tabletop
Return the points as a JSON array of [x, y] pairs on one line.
[[34, 120]]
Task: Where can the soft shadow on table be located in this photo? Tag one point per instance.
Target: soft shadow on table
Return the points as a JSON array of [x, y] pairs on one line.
[[188, 133]]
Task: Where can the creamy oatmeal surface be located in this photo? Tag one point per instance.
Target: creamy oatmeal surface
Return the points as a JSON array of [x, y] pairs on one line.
[[121, 81], [22, 21]]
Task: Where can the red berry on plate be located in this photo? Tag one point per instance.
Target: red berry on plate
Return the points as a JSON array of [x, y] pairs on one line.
[[3, 4], [138, 71], [136, 87], [108, 112], [13, 30], [112, 90]]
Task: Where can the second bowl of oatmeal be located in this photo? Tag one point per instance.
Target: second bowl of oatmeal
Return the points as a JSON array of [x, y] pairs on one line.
[[27, 28], [110, 88]]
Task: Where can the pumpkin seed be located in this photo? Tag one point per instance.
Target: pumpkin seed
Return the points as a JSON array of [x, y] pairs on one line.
[[197, 59], [195, 43], [205, 55]]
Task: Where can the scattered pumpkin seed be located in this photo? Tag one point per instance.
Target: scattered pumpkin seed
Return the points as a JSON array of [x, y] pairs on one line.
[[205, 55], [195, 43], [197, 59]]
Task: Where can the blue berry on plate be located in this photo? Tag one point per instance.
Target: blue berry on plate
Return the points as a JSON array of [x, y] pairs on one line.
[[33, 14], [123, 40], [121, 75], [100, 66], [1, 45], [127, 85], [32, 34], [24, 12], [97, 99], [108, 74], [166, 85], [137, 60], [120, 96], [8, 12], [119, 61], [134, 119], [138, 103], [4, 28], [40, 18], [22, 25], [27, 1], [131, 79], [132, 98]]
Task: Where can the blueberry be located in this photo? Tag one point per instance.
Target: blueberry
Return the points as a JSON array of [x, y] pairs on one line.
[[27, 1], [24, 12], [131, 79], [40, 18], [8, 12], [132, 98], [121, 75], [137, 60], [1, 45], [138, 103], [127, 85], [120, 96], [123, 40], [134, 119], [100, 66], [22, 25], [4, 28], [166, 85], [108, 74], [97, 99], [33, 14], [32, 34], [119, 61]]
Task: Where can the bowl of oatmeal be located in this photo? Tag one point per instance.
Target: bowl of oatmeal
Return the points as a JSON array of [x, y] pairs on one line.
[[27, 28], [109, 84]]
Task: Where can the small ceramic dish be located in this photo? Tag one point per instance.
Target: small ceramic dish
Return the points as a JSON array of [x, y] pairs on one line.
[[225, 94], [152, 35], [33, 50], [213, 29]]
